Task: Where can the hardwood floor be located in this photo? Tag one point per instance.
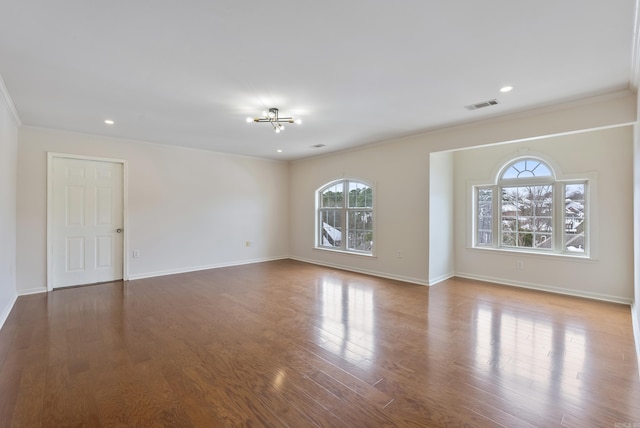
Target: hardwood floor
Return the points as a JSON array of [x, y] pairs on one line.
[[291, 344]]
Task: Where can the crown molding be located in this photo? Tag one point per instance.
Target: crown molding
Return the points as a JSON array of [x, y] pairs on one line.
[[8, 101], [634, 80]]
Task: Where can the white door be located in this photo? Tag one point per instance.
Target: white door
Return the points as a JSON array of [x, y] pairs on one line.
[[87, 221]]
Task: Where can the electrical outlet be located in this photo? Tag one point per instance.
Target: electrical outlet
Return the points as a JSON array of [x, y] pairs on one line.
[[399, 254], [136, 254], [520, 265]]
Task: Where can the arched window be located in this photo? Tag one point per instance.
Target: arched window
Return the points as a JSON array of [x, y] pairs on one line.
[[535, 211], [345, 216]]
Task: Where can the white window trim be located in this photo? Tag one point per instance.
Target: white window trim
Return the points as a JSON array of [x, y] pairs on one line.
[[591, 210], [349, 252], [316, 230]]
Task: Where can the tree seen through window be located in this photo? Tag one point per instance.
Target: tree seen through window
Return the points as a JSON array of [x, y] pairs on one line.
[[353, 220], [534, 210]]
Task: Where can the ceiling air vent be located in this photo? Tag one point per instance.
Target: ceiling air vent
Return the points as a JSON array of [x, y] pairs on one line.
[[481, 105], [317, 146]]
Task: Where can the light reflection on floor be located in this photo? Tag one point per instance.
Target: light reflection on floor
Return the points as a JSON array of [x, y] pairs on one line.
[[348, 321], [519, 349]]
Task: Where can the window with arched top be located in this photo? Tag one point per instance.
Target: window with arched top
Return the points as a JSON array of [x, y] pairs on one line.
[[530, 209], [526, 168], [345, 216]]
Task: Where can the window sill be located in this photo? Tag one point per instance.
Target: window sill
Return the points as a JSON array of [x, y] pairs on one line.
[[551, 255], [351, 253]]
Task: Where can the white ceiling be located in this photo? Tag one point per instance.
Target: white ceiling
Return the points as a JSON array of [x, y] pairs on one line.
[[356, 72]]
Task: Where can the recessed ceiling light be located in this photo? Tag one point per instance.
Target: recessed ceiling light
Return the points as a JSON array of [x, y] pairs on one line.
[[279, 150], [506, 89], [109, 121]]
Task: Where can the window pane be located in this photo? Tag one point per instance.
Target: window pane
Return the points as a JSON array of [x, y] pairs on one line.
[[360, 195], [525, 210], [509, 237], [574, 218], [484, 222], [542, 240], [360, 226], [332, 196], [345, 216], [527, 168], [331, 228], [527, 216]]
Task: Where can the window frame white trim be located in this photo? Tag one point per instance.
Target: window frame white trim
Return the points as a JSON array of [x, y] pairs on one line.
[[589, 179], [526, 183], [318, 206]]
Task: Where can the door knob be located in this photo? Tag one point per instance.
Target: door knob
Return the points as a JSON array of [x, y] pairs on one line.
[[118, 230]]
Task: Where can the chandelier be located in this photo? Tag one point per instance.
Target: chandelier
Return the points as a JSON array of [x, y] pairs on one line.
[[276, 121]]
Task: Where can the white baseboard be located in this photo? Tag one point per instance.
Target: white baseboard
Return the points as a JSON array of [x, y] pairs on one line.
[[7, 310], [364, 271], [441, 278], [198, 268], [32, 291], [550, 289]]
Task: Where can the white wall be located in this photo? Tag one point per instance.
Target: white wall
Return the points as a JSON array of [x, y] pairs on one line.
[[194, 209], [400, 171], [604, 154], [441, 217], [8, 163], [400, 176], [187, 209], [635, 308]]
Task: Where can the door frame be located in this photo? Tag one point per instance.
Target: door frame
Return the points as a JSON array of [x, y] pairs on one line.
[[125, 197]]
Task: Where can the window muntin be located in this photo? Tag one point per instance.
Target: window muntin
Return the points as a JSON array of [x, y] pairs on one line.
[[532, 212], [527, 168], [346, 227], [526, 216], [332, 197]]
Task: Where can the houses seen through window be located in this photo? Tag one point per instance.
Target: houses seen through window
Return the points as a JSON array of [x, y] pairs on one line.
[[529, 209]]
